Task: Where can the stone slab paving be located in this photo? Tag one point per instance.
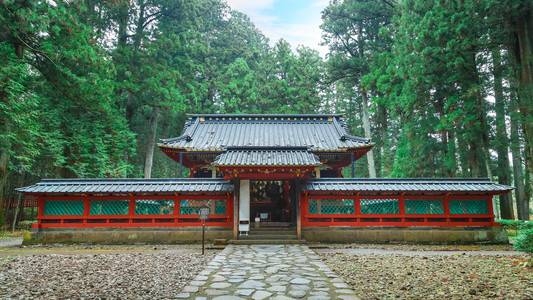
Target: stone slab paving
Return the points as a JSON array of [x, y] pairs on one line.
[[267, 272]]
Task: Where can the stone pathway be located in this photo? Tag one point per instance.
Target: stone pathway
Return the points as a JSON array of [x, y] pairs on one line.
[[267, 272]]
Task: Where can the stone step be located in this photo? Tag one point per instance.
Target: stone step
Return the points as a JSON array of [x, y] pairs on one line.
[[266, 242], [263, 236], [272, 232]]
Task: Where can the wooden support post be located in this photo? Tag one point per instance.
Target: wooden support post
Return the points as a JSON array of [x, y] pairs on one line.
[[40, 212], [490, 201], [131, 209], [401, 204], [176, 209], [317, 171], [86, 210], [446, 208], [236, 189], [298, 213], [357, 208]]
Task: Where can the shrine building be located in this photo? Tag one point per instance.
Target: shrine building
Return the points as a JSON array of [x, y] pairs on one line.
[[266, 178]]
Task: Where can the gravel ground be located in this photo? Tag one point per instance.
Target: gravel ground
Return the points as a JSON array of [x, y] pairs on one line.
[[412, 247], [98, 276], [434, 277], [112, 247]]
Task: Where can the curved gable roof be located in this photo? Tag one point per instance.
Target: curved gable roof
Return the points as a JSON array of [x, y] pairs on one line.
[[215, 132]]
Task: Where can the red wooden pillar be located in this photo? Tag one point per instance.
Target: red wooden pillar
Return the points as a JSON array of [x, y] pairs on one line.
[[491, 210], [446, 200], [131, 209], [229, 208], [86, 210], [401, 204], [357, 203], [40, 212], [176, 209], [304, 207]]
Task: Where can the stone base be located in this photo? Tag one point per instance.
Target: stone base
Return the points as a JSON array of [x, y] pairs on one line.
[[126, 235], [429, 235]]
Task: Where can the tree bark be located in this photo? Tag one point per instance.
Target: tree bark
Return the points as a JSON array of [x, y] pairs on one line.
[[4, 171], [451, 159], [18, 207], [366, 120], [385, 157], [522, 201], [366, 125], [522, 52], [150, 144], [502, 141]]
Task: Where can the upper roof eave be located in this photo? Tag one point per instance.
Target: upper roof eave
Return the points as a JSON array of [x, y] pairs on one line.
[[264, 115], [214, 132]]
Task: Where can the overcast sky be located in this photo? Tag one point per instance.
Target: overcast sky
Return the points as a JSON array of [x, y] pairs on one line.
[[296, 21]]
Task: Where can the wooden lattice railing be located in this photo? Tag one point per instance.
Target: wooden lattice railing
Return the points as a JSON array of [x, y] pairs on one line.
[[398, 211], [133, 211]]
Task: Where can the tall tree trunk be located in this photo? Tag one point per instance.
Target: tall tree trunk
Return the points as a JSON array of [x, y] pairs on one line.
[[474, 159], [502, 141], [366, 120], [4, 171], [521, 50], [522, 201], [18, 207], [451, 159], [150, 143], [385, 156], [366, 125]]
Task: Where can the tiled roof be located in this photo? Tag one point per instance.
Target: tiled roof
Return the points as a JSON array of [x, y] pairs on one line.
[[405, 185], [130, 185], [215, 132], [267, 157]]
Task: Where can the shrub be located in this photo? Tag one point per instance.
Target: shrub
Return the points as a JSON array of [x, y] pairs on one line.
[[524, 241], [515, 224], [25, 225]]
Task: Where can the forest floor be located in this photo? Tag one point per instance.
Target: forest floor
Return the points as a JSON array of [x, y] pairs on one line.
[[161, 271]]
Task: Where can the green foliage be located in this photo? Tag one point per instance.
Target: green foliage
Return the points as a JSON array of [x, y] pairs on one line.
[[26, 225], [85, 86], [515, 224], [524, 241]]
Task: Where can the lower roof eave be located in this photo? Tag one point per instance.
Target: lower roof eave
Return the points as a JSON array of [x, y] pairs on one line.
[[435, 186], [403, 193]]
